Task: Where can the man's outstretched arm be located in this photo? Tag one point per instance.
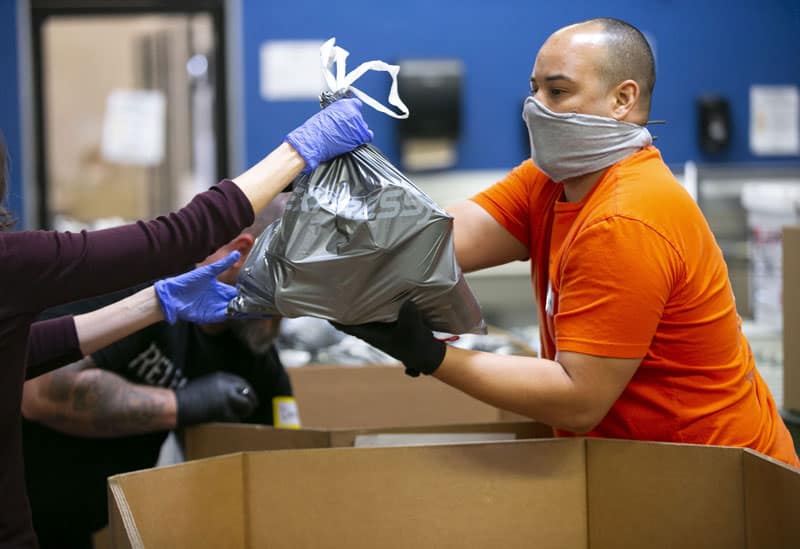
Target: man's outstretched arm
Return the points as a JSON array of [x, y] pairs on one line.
[[80, 399], [573, 392], [83, 400]]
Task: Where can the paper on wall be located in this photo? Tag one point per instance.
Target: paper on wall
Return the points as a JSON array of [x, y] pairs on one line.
[[290, 70], [774, 120], [134, 127]]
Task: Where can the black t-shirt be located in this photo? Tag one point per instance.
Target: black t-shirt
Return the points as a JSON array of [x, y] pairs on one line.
[[66, 475]]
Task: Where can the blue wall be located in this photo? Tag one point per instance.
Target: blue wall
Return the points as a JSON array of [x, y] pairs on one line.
[[702, 46], [9, 103]]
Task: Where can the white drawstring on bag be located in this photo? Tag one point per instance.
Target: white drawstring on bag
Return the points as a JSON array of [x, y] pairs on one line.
[[332, 54]]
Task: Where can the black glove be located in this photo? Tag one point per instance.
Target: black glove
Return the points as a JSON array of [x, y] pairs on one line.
[[407, 339], [220, 396]]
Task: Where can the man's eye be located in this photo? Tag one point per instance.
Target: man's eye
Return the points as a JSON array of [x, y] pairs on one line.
[[556, 92]]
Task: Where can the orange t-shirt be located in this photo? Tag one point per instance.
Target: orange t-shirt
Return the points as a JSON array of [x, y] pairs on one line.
[[633, 270]]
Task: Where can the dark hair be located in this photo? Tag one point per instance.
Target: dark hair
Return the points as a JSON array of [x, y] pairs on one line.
[[6, 220], [629, 57]]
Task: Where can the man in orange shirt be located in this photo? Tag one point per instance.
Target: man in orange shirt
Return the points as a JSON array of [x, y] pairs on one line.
[[639, 332]]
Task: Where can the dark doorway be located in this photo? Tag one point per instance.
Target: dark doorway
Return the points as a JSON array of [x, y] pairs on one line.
[[129, 106]]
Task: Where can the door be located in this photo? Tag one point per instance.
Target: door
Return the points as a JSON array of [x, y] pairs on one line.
[[129, 106]]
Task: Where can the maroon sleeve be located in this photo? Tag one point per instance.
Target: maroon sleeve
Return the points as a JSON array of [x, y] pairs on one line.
[[44, 268], [52, 343]]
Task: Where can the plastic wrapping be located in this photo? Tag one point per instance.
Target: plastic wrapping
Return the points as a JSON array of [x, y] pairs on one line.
[[356, 241]]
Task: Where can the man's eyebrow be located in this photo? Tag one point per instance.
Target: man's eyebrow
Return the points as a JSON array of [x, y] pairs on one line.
[[553, 77]]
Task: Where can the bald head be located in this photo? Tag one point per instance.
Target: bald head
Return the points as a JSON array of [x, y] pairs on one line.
[[627, 56]]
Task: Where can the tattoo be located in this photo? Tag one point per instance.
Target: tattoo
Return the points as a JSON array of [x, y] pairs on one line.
[[117, 406], [105, 403], [63, 380]]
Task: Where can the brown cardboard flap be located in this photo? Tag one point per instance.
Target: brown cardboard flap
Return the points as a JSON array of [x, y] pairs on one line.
[[102, 539], [509, 495], [791, 318], [772, 504], [213, 439], [120, 523], [216, 439], [660, 495], [547, 493], [520, 429], [379, 396], [195, 504]]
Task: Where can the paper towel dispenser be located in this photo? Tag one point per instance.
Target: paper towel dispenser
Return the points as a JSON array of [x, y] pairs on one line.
[[432, 90], [714, 123]]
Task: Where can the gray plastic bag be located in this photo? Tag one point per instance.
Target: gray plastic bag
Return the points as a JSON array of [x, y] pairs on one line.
[[356, 241]]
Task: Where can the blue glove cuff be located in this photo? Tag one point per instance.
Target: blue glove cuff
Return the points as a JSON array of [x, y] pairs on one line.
[[311, 164], [170, 315]]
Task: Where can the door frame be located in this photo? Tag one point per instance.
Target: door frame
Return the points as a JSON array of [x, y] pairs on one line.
[[42, 10]]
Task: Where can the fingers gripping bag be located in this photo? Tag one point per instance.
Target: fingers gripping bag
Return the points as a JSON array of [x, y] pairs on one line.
[[357, 239]]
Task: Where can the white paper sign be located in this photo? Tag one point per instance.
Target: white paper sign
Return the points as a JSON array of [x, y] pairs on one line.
[[291, 69], [134, 127], [774, 120]]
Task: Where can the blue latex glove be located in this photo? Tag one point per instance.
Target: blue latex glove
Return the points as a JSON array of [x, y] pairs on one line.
[[197, 296], [335, 130]]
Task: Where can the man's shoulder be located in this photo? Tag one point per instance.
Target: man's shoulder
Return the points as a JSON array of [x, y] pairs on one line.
[[524, 186], [642, 198], [645, 165], [528, 174], [643, 187]]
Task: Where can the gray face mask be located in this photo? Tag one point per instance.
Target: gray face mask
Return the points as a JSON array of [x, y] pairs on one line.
[[565, 145]]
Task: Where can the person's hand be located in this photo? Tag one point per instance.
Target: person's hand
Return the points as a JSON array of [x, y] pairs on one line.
[[220, 396], [335, 130], [407, 339], [197, 296]]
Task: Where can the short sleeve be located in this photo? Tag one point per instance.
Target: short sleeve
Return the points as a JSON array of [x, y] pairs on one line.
[[614, 282], [508, 201]]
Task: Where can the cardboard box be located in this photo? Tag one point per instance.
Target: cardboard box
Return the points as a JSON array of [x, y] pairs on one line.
[[344, 397], [215, 439], [550, 493], [791, 318]]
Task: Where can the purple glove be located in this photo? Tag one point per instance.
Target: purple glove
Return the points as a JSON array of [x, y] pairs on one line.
[[335, 130], [197, 296]]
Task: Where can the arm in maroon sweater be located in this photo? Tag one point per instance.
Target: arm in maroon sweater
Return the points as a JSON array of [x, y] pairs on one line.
[[63, 340], [117, 258], [50, 268], [42, 269], [170, 241]]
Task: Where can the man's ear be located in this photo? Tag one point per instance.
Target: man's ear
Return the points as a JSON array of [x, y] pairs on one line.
[[243, 243], [624, 100]]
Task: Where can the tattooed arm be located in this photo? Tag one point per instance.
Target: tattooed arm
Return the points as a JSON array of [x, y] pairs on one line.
[[81, 399]]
